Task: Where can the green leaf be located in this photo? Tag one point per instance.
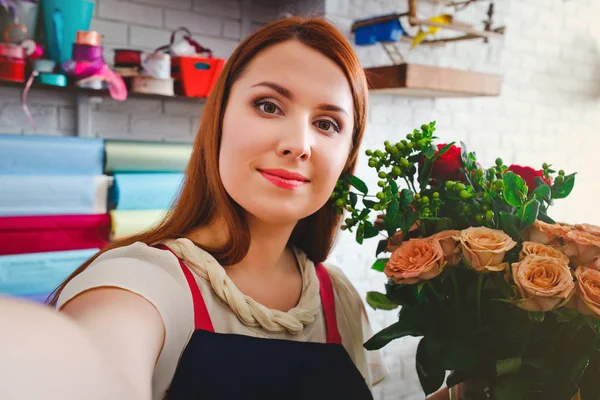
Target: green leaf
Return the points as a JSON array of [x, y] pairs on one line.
[[512, 388], [370, 230], [545, 218], [359, 184], [363, 214], [381, 246], [543, 192], [530, 212], [508, 366], [391, 217], [580, 366], [452, 352], [407, 220], [563, 190], [443, 150], [537, 316], [409, 324], [431, 374], [565, 314], [406, 198], [510, 224], [360, 233], [353, 199], [394, 187], [369, 203], [430, 151], [379, 301], [514, 189], [379, 264]]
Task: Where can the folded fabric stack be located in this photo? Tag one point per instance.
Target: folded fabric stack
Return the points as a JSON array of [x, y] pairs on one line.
[[147, 179], [53, 210]]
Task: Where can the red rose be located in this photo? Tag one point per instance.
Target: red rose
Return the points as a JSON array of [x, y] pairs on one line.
[[528, 174], [448, 166]]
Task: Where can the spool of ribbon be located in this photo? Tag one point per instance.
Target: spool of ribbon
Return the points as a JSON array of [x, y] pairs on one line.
[[52, 79], [87, 61], [149, 85], [12, 70], [44, 65], [157, 65], [128, 58], [11, 28], [12, 51], [33, 51], [90, 38], [116, 85]]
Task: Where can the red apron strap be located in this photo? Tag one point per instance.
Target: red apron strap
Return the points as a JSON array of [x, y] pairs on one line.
[[201, 317], [328, 301]]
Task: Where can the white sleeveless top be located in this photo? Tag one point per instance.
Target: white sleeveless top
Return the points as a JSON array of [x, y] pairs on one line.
[[156, 275]]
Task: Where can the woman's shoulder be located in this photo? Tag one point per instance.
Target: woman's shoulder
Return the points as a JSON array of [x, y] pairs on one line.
[[137, 267]]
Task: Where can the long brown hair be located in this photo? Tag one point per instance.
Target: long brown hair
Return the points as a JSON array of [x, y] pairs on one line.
[[202, 192]]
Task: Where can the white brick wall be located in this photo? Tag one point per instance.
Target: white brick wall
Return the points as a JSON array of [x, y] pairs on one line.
[[549, 109]]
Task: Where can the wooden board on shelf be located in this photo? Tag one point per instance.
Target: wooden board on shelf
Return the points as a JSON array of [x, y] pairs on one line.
[[413, 80], [96, 93]]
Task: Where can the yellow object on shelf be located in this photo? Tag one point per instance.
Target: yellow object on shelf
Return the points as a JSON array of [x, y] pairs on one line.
[[126, 223], [440, 19]]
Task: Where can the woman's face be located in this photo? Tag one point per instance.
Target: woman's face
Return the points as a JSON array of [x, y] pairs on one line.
[[287, 133]]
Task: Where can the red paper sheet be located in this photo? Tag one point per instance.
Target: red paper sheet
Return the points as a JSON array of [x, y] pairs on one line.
[[36, 234]]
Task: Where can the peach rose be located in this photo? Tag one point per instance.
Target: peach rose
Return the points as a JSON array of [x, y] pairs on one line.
[[449, 244], [589, 228], [484, 248], [544, 283], [587, 291], [583, 248], [538, 249], [415, 260], [544, 233], [397, 238]]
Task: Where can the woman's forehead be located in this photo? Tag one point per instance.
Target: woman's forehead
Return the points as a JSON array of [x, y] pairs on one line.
[[303, 71]]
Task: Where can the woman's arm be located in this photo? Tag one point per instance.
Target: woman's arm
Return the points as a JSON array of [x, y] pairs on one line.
[[103, 345]]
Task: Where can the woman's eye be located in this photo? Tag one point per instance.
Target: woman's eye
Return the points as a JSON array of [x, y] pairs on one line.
[[267, 107], [328, 126]]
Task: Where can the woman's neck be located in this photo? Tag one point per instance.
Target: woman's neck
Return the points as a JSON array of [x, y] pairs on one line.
[[268, 245]]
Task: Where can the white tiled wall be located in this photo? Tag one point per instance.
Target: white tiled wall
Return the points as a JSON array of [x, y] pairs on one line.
[[549, 109]]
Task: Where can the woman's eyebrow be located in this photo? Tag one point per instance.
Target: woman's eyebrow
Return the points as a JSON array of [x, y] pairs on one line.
[[288, 94], [278, 88]]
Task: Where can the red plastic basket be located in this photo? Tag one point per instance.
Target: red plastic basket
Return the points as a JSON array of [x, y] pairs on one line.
[[195, 76]]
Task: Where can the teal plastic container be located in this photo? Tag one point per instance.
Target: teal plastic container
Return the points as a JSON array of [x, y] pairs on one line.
[[62, 19]]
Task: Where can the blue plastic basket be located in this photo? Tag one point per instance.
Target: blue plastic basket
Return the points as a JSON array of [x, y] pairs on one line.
[[390, 31], [365, 36]]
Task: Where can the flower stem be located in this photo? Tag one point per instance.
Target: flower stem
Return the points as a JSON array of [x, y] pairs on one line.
[[455, 284], [479, 288], [434, 291]]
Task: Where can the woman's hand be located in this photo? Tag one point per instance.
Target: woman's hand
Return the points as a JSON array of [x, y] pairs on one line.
[[48, 355], [442, 394]]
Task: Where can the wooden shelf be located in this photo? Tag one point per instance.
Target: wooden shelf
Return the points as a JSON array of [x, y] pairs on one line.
[[96, 93], [413, 80]]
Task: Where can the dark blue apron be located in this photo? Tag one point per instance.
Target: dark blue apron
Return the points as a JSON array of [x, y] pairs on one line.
[[217, 366]]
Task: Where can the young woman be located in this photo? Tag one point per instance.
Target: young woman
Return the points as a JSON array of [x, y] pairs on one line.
[[227, 298]]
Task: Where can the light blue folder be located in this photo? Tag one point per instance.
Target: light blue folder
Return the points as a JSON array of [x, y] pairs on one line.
[[145, 191], [26, 274], [47, 155]]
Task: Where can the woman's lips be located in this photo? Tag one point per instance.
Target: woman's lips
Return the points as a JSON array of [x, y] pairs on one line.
[[283, 182]]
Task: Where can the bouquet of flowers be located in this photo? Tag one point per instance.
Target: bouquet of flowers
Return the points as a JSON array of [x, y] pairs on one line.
[[506, 300]]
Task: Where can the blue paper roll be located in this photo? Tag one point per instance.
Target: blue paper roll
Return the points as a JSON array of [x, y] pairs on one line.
[[27, 274], [148, 191], [52, 195], [36, 155]]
